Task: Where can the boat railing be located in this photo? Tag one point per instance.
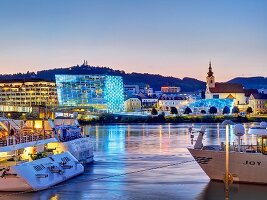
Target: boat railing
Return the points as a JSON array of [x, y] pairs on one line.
[[244, 148], [24, 138]]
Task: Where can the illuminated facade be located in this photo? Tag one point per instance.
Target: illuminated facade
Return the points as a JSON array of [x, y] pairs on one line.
[[30, 93], [258, 103], [205, 104], [215, 90], [133, 104], [170, 89], [166, 102], [19, 109], [98, 92]]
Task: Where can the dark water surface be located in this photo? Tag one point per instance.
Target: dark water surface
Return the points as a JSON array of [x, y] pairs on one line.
[[145, 162]]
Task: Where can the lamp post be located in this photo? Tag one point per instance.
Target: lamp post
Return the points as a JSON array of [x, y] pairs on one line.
[[226, 178]]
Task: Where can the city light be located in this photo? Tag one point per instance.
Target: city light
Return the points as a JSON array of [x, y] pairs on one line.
[[98, 92], [205, 104]]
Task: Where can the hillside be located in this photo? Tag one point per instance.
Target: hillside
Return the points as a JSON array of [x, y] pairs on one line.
[[251, 82], [154, 80]]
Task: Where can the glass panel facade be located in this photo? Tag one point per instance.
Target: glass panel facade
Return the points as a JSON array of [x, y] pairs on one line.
[[100, 92]]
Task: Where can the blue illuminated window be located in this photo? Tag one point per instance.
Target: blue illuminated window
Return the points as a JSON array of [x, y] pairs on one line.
[[97, 92]]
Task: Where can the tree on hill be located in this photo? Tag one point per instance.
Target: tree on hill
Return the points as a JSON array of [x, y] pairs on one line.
[[187, 111], [235, 110], [154, 80], [174, 111], [226, 110], [249, 110], [203, 112], [154, 111], [213, 110]]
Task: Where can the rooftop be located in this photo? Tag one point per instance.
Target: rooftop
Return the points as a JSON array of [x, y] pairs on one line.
[[259, 96], [248, 92], [24, 80], [172, 98], [227, 88]]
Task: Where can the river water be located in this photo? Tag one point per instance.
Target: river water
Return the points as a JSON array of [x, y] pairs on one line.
[[146, 162]]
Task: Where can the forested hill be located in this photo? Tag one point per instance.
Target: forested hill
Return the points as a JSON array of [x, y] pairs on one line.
[[251, 82], [154, 80]]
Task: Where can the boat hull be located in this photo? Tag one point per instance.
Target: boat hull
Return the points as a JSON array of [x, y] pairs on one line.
[[244, 167], [41, 174], [14, 184], [81, 149]]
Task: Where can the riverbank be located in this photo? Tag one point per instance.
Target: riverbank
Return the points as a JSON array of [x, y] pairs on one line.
[[111, 119]]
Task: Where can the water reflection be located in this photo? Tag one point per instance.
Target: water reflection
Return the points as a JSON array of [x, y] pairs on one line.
[[120, 149], [237, 191]]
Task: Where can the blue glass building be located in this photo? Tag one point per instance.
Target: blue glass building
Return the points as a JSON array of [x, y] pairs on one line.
[[99, 92]]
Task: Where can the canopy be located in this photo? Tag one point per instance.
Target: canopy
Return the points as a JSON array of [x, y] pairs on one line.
[[257, 131]]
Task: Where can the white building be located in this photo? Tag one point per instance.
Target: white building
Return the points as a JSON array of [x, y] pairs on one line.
[[170, 89], [216, 90], [131, 89], [258, 103], [148, 102], [166, 102], [133, 104]]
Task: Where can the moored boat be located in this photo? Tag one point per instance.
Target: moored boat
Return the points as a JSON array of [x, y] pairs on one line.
[[247, 163], [72, 138], [27, 164]]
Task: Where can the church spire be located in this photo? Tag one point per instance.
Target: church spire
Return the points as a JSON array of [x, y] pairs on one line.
[[210, 73], [210, 78]]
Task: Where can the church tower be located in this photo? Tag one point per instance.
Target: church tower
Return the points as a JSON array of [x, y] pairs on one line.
[[210, 78]]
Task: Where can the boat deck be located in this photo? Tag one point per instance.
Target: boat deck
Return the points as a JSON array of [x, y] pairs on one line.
[[24, 138], [234, 148]]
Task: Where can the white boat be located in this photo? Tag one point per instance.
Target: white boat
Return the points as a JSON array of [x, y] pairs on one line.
[[71, 138], [247, 163], [26, 162]]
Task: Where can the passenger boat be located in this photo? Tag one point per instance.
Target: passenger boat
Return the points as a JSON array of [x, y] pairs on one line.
[[26, 162], [247, 163], [71, 138]]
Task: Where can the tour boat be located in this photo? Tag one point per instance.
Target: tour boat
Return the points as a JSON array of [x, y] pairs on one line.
[[247, 163], [71, 138], [26, 162]]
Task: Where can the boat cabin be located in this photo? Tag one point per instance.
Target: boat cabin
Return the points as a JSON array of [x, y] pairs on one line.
[[261, 135]]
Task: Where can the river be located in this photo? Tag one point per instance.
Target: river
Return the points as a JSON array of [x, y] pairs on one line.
[[146, 162]]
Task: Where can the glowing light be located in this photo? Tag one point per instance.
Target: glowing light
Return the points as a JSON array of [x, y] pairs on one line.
[[98, 92], [205, 104], [113, 93], [38, 124], [3, 155]]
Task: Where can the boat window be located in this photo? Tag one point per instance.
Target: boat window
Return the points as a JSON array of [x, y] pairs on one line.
[[259, 144], [264, 145]]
